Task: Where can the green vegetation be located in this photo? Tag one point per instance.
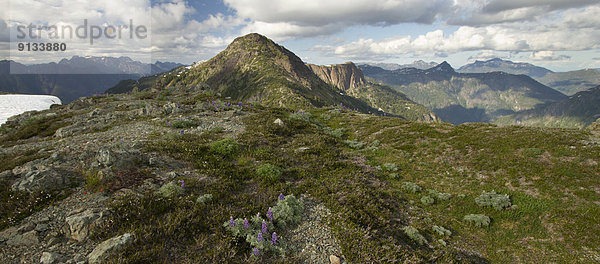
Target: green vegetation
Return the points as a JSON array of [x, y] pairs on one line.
[[268, 173], [226, 147], [170, 190], [478, 220], [41, 127], [493, 199], [452, 165], [414, 235]]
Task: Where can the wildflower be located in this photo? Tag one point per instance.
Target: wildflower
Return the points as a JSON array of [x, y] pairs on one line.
[[170, 124], [264, 227], [274, 238], [182, 131], [231, 222], [255, 252], [260, 237], [182, 183], [270, 214], [281, 197], [246, 224]]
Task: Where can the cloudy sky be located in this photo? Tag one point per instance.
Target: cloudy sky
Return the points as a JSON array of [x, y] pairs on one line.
[[559, 34]]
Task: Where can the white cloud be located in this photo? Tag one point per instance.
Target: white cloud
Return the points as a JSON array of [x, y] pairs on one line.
[[548, 56], [560, 31], [301, 18]]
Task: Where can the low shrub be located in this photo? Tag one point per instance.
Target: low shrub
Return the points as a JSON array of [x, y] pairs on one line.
[[390, 167], [427, 200], [441, 231], [226, 147], [411, 187], [268, 173], [170, 190], [414, 235], [205, 198], [493, 199], [478, 220]]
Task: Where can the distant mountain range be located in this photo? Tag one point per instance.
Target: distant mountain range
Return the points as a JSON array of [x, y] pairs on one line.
[[419, 64], [466, 97], [71, 79], [579, 111], [568, 83], [253, 68]]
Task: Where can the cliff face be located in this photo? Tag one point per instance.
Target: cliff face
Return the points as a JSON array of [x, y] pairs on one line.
[[345, 76]]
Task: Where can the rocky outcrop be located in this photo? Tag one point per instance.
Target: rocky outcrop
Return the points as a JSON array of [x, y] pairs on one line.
[[104, 249], [343, 76], [81, 223], [35, 176]]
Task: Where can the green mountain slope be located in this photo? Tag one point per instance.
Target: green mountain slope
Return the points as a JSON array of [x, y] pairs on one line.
[[572, 82], [256, 69], [350, 79], [461, 97], [578, 111]]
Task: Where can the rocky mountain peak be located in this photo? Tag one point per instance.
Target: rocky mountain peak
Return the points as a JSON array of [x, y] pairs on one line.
[[442, 67]]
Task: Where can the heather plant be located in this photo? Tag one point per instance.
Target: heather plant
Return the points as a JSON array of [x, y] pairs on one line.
[[427, 200], [493, 199], [225, 147], [411, 187], [478, 220], [170, 190], [268, 173], [441, 231], [414, 235]]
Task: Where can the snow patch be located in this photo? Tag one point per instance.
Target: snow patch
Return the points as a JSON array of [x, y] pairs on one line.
[[14, 104]]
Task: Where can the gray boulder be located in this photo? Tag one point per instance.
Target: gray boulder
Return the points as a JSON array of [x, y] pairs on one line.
[[104, 249], [81, 223]]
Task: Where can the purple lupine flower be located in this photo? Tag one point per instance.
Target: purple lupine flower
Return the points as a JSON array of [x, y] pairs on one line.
[[170, 124], [260, 237], [264, 227], [255, 252], [274, 238], [231, 222], [281, 197], [246, 224], [182, 183], [182, 132], [270, 214]]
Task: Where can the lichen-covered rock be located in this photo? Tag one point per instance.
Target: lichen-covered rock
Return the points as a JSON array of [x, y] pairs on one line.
[[80, 224], [50, 258], [42, 178], [104, 249]]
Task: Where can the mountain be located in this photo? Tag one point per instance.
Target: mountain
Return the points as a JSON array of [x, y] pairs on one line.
[[253, 68], [350, 79], [419, 64], [567, 83], [70, 79], [507, 66], [577, 111], [572, 82], [461, 97]]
